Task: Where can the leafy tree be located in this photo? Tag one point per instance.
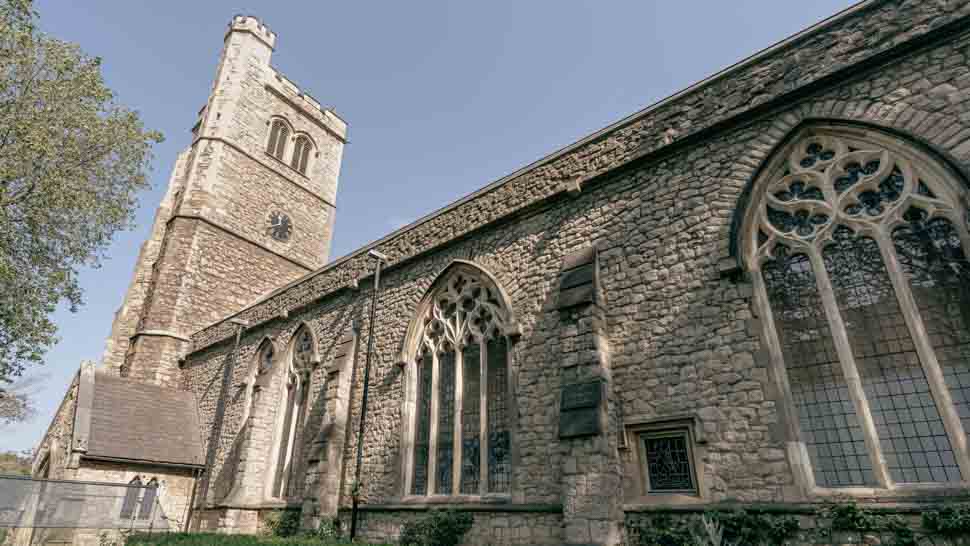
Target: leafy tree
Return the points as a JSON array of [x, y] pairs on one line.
[[71, 163]]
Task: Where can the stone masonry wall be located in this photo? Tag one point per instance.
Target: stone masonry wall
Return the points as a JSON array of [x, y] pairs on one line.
[[683, 340], [210, 252]]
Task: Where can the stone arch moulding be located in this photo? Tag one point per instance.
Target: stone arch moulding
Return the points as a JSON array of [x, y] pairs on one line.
[[412, 337], [863, 130], [505, 327], [856, 239], [314, 344]]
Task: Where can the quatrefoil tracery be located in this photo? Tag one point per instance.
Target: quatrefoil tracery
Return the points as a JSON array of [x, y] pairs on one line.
[[465, 310], [828, 183]]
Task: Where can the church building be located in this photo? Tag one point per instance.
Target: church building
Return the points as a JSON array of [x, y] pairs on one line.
[[753, 292]]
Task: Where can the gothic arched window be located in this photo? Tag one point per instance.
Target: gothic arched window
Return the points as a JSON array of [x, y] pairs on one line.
[[278, 134], [461, 431], [297, 383], [130, 502], [301, 153], [148, 501], [858, 252]]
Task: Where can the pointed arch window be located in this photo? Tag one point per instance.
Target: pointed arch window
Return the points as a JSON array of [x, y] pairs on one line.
[[297, 383], [858, 253], [130, 502], [278, 134], [148, 501], [461, 433], [301, 153]]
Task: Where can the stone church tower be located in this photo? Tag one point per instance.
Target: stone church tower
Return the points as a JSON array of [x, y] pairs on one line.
[[249, 208]]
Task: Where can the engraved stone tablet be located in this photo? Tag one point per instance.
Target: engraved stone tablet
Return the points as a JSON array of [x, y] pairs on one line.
[[580, 410]]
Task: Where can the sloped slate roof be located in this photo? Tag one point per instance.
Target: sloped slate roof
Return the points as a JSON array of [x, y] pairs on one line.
[[143, 423]]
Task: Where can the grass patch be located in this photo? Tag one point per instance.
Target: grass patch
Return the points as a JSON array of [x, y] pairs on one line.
[[218, 539]]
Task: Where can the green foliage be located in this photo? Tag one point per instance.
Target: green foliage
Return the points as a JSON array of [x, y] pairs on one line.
[[948, 521], [283, 523], [71, 163], [744, 527], [329, 529], [735, 528], [439, 528], [219, 539]]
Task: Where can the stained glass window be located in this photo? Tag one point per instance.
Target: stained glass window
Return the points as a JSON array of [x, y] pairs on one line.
[[499, 469], [669, 461], [463, 326], [446, 422], [847, 236], [471, 422], [422, 440]]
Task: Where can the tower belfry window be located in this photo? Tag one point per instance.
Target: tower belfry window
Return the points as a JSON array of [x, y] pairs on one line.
[[301, 154], [278, 135], [858, 253]]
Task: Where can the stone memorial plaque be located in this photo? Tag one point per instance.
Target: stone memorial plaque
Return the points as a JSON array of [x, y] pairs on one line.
[[580, 409]]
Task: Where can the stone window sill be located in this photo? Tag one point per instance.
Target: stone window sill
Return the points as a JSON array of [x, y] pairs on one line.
[[285, 164]]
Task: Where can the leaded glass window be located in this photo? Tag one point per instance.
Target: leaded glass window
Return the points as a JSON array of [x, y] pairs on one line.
[[860, 251], [461, 430], [670, 467]]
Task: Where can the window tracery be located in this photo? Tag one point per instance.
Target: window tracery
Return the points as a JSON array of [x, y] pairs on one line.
[[297, 383], [859, 249], [461, 438]]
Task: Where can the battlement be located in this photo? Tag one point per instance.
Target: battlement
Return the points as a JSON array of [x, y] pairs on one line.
[[252, 25], [308, 103]]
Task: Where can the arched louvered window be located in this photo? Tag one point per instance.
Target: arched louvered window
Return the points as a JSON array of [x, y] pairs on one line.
[[148, 501], [279, 133], [858, 252], [301, 153], [291, 426], [130, 502], [461, 435]]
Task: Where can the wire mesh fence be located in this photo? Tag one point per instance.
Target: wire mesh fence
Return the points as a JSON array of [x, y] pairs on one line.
[[29, 503]]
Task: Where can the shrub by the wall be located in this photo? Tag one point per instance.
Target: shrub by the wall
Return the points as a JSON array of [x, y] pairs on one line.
[[439, 528]]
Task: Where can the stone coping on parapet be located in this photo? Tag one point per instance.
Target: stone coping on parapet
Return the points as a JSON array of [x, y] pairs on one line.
[[881, 30]]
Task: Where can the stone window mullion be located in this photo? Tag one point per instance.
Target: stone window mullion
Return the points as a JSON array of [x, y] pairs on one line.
[[927, 356], [804, 472], [433, 436], [849, 368], [456, 458]]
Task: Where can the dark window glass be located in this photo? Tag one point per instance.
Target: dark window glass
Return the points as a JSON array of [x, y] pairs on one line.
[[471, 419], [826, 414], [419, 485], [933, 260], [908, 424], [446, 423], [499, 440], [669, 465]]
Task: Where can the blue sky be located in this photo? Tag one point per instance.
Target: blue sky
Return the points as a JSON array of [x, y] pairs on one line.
[[441, 99]]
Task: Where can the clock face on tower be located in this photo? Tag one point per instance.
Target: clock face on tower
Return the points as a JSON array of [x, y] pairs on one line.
[[280, 226]]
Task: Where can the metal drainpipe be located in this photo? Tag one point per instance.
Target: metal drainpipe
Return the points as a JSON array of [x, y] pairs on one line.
[[381, 259]]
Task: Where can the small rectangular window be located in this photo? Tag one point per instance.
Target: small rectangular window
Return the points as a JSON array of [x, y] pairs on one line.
[[669, 461]]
